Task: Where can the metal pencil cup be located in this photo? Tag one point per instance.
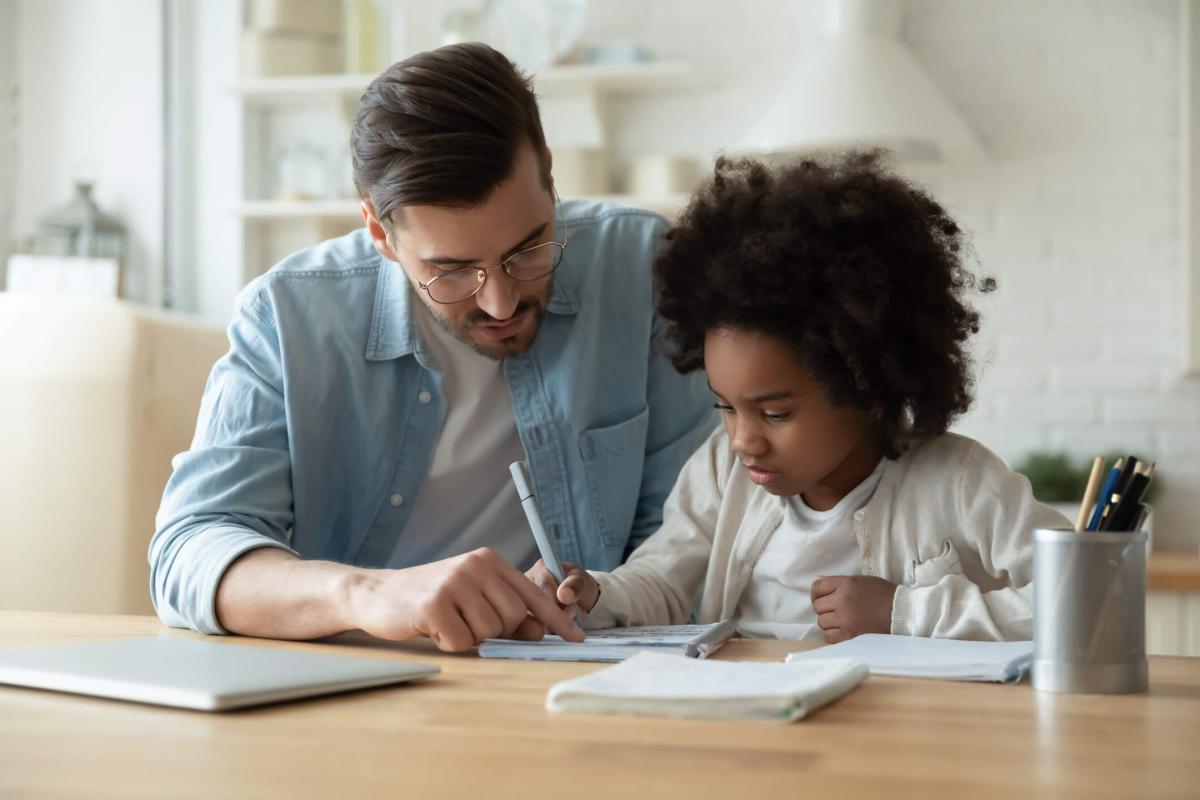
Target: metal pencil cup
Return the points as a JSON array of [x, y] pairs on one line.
[[1089, 612]]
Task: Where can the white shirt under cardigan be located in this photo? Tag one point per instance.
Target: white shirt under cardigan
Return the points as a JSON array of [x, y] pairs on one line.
[[807, 545], [949, 523]]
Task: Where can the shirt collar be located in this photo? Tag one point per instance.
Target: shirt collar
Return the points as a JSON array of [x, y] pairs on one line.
[[393, 330]]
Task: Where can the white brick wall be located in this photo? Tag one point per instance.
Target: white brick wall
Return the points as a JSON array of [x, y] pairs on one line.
[[1076, 213]]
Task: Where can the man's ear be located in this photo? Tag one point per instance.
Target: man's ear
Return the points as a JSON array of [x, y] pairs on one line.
[[377, 232]]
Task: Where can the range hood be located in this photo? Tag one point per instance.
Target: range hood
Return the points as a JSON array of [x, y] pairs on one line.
[[862, 87]]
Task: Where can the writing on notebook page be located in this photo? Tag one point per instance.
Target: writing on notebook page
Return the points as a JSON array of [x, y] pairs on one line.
[[617, 644]]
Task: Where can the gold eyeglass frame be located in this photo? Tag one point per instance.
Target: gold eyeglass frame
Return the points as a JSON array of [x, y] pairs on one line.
[[482, 272]]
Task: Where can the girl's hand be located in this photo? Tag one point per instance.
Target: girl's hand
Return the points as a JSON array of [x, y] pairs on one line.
[[847, 605], [577, 589]]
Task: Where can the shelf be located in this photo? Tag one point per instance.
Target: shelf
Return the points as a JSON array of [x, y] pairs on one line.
[[264, 210], [295, 88], [648, 76], [300, 209]]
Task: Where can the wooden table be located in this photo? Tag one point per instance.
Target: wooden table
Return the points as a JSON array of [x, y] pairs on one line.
[[479, 730], [1173, 603], [1173, 571]]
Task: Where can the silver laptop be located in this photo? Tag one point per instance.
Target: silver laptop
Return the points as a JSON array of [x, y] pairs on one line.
[[208, 675]]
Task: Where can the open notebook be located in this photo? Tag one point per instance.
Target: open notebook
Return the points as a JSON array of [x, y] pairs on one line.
[[617, 644], [918, 657]]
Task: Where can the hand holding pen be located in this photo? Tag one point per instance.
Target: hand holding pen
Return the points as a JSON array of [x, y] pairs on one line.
[[577, 591], [549, 573]]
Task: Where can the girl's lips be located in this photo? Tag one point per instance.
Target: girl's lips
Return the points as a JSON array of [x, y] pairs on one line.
[[761, 476], [504, 331]]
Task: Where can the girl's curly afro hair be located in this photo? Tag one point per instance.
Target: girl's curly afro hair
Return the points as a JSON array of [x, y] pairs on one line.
[[858, 270]]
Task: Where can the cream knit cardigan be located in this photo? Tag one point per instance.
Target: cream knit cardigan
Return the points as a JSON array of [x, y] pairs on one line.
[[949, 523]]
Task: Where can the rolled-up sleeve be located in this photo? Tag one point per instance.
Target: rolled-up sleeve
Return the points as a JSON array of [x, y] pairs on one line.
[[231, 492]]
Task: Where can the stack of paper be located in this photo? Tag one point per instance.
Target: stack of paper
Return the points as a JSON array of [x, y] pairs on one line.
[[917, 657], [617, 644], [660, 684]]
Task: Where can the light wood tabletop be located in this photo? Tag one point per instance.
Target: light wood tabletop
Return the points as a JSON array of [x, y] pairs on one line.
[[480, 730], [1173, 571]]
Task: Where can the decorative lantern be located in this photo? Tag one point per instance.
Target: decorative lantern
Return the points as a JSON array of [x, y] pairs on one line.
[[80, 229]]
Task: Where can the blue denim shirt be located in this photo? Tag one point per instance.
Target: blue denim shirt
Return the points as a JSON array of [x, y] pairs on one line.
[[328, 403]]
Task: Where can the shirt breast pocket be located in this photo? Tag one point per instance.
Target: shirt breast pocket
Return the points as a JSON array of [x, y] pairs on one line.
[[613, 459]]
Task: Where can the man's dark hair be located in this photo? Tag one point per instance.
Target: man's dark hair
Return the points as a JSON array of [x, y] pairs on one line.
[[443, 128], [857, 270]]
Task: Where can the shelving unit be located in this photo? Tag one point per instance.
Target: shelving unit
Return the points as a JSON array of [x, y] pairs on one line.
[[272, 228]]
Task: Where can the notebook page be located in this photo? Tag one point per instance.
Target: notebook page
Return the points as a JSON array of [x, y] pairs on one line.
[[915, 656]]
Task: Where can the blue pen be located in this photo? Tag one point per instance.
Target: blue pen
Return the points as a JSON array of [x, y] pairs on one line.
[[1106, 495]]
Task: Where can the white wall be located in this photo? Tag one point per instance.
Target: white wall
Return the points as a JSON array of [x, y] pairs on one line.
[[8, 127], [1079, 218], [89, 80], [215, 147]]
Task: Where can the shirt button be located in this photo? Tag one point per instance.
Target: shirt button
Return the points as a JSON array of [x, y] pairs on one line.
[[424, 396], [859, 514], [396, 499]]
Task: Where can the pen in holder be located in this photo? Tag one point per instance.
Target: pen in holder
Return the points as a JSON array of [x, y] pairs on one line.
[[1089, 612]]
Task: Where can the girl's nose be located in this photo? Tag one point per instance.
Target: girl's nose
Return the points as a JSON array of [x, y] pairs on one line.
[[745, 437]]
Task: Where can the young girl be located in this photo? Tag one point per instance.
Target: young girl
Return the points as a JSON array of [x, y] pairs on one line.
[[825, 301]]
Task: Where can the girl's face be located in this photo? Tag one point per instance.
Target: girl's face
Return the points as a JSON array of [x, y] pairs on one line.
[[780, 423]]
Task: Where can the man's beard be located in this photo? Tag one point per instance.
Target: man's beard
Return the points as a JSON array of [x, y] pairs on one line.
[[478, 316]]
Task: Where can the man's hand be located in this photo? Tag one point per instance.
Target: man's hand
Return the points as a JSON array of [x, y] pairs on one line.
[[847, 606], [578, 588], [457, 603]]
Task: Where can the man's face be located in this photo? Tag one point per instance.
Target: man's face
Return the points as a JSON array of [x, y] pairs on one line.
[[502, 318]]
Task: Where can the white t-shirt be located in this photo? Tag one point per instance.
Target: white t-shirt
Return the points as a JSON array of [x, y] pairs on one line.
[[468, 499], [807, 544]]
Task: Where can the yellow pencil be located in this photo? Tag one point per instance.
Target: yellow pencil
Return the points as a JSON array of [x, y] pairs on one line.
[[1089, 495]]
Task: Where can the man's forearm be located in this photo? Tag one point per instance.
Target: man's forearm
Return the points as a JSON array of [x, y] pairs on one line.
[[273, 594], [458, 601]]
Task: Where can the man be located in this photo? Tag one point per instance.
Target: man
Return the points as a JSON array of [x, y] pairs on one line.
[[350, 463]]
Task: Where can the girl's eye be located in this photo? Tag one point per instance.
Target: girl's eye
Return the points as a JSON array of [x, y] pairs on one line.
[[776, 417], [723, 408]]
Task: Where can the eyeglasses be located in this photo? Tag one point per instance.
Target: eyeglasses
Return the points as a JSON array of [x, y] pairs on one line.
[[529, 264]]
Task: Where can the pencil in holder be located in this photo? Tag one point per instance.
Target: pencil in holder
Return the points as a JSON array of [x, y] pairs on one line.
[[1089, 612]]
